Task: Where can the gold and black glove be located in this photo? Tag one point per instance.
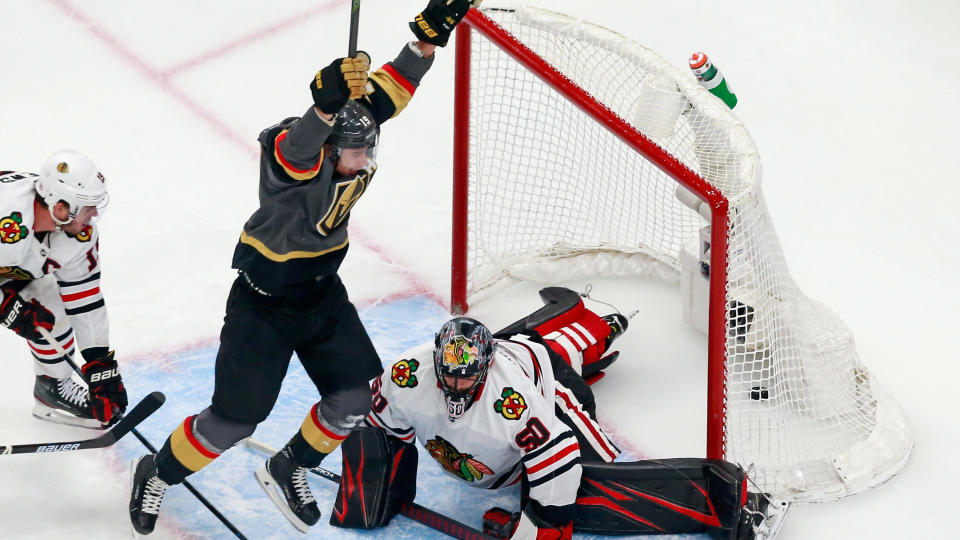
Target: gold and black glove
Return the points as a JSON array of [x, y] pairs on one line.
[[435, 23], [343, 79]]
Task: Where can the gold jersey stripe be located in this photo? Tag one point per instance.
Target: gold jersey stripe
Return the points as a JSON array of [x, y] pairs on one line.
[[319, 436], [283, 257], [188, 451], [396, 91]]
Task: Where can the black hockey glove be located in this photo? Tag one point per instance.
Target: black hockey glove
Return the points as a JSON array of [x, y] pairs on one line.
[[343, 79], [434, 24], [23, 317], [108, 397]]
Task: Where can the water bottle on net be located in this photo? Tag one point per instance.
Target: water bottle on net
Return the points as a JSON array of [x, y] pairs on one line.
[[712, 79]]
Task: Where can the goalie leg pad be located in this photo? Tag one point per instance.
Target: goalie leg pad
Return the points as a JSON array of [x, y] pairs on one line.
[[379, 473], [573, 332], [670, 496]]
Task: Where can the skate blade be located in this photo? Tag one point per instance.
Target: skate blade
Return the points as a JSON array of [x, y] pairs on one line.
[[775, 521], [57, 416], [272, 491]]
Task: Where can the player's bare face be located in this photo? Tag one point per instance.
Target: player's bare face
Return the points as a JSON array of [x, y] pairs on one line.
[[351, 160], [459, 384], [84, 216]]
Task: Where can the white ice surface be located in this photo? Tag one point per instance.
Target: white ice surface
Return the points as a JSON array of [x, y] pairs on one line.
[[853, 106]]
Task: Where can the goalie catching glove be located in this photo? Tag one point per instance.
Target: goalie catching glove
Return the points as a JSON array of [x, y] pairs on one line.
[[343, 79], [434, 24], [23, 317], [108, 397], [520, 526]]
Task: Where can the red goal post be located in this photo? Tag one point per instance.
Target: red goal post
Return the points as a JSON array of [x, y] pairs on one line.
[[518, 76]]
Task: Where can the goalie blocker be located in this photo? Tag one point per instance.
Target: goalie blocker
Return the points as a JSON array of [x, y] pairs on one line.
[[670, 496]]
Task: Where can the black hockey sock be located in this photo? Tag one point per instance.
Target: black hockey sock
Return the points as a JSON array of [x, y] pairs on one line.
[[169, 468]]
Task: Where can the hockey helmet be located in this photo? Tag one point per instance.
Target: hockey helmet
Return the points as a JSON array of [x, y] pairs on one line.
[[462, 352], [354, 127], [71, 177]]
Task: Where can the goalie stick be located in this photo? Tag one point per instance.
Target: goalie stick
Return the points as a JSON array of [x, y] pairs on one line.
[[137, 414], [411, 510]]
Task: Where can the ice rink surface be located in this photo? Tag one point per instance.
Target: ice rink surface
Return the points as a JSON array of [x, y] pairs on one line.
[[851, 104]]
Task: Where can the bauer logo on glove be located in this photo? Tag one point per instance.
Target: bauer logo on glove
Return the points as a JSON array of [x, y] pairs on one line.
[[434, 24]]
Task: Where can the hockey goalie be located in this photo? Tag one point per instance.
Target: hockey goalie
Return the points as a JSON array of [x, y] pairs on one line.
[[514, 407]]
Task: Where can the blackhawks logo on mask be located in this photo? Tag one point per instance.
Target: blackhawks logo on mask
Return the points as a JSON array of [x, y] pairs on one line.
[[402, 373], [12, 229], [512, 405], [452, 460], [459, 352]]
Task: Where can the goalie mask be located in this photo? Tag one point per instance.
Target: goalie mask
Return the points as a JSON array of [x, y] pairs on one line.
[[354, 127], [71, 177], [462, 352]]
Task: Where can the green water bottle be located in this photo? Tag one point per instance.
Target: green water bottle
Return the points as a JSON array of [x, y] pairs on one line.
[[712, 79]]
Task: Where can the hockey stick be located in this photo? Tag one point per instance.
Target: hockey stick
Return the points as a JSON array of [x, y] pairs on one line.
[[354, 28], [153, 450], [137, 414], [411, 510]]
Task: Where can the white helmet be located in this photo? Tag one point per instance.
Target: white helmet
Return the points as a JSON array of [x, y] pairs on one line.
[[71, 177]]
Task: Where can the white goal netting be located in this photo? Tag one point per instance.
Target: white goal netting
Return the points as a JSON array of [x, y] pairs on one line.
[[549, 186]]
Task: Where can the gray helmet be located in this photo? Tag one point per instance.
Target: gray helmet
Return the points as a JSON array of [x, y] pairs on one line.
[[354, 127], [463, 348]]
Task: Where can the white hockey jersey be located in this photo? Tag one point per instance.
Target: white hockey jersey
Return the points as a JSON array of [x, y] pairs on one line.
[[510, 429], [73, 260]]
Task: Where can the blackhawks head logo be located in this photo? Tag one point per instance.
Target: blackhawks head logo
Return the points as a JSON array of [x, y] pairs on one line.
[[402, 373], [452, 460], [512, 405], [459, 352], [12, 229]]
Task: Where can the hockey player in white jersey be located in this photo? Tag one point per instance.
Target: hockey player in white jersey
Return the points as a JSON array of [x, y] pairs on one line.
[[50, 278], [515, 406], [493, 413]]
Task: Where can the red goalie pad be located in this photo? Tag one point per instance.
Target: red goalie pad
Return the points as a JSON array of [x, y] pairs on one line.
[[578, 335]]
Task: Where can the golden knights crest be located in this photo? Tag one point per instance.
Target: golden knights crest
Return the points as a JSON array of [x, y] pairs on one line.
[[12, 228], [512, 405], [456, 462], [402, 373]]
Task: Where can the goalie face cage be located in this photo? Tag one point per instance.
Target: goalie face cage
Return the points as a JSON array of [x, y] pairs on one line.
[[551, 170]]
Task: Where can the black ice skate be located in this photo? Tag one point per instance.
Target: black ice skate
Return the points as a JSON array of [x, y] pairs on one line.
[[63, 401], [618, 325], [761, 518], [146, 494], [285, 482]]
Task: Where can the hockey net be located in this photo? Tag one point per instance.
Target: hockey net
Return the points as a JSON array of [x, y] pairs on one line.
[[571, 141]]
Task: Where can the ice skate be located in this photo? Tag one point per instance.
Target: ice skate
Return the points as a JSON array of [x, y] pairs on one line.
[[63, 401], [762, 517], [285, 482], [146, 494]]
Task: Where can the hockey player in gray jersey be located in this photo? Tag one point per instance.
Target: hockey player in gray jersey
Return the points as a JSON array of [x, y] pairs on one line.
[[288, 297], [50, 278]]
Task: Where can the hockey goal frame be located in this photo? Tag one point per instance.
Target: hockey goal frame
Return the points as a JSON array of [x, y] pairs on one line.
[[475, 21]]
